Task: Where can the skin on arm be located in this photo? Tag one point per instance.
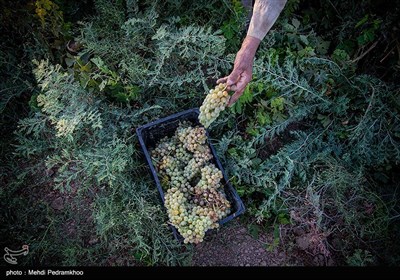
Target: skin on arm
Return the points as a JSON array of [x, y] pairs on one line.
[[242, 68], [265, 13]]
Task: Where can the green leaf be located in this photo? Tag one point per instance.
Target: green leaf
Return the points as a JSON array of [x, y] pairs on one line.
[[362, 21], [233, 152], [256, 161], [296, 23], [322, 47], [304, 39], [69, 61], [240, 191], [254, 230], [283, 219]]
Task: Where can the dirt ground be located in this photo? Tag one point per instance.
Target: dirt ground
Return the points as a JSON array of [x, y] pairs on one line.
[[233, 245]]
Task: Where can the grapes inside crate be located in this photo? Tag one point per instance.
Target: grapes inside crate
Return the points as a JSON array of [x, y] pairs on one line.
[[189, 176]]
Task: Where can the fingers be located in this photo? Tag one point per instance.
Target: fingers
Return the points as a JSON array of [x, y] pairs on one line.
[[233, 78], [222, 80], [237, 82], [240, 85], [239, 88]]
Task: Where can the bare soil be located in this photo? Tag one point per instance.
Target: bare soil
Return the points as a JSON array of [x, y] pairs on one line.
[[233, 245]]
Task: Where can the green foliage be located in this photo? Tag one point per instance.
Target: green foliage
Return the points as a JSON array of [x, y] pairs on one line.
[[363, 29], [193, 48], [246, 97], [95, 149], [368, 34], [360, 258], [51, 17], [157, 56], [232, 27], [65, 113], [312, 134], [291, 7], [129, 219]]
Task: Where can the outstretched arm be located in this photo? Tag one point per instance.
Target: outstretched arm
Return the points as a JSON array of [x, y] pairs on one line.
[[265, 13]]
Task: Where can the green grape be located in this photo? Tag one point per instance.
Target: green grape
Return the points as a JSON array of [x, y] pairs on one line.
[[210, 176], [191, 137], [194, 196], [214, 103]]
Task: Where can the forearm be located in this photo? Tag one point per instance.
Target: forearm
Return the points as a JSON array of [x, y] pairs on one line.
[[264, 16], [250, 44], [265, 13]]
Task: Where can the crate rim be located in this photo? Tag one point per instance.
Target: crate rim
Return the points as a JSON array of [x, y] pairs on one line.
[[241, 208]]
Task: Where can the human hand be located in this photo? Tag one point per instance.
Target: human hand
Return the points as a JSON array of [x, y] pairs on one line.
[[242, 70]]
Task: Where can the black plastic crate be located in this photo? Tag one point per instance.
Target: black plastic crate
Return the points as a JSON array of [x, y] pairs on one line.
[[151, 133]]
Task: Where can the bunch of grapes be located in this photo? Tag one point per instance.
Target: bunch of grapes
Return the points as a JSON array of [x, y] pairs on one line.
[[192, 138], [194, 196], [214, 103], [193, 168], [213, 201], [175, 202], [194, 226], [210, 177]]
